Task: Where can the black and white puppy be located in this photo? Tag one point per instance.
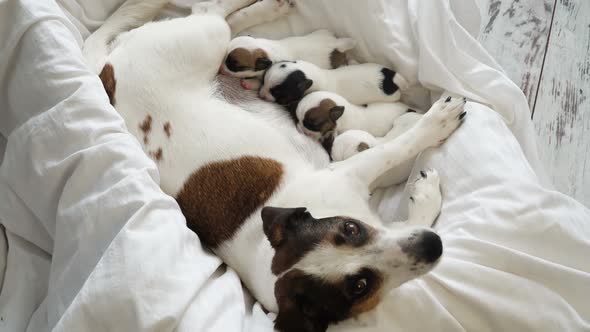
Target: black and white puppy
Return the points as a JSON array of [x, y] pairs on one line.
[[287, 82], [249, 57]]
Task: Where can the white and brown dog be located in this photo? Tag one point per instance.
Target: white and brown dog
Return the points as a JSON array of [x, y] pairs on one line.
[[249, 57], [299, 232], [287, 82]]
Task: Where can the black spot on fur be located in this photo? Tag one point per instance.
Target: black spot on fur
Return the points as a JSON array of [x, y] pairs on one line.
[[387, 85], [292, 89], [410, 111]]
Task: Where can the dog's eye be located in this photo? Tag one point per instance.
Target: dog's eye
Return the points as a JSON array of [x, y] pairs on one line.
[[360, 287], [351, 228]]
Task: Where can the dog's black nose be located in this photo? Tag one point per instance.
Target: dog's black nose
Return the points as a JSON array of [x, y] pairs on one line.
[[424, 246], [431, 247]]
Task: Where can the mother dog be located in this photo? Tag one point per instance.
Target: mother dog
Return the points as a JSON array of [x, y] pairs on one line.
[[299, 232]]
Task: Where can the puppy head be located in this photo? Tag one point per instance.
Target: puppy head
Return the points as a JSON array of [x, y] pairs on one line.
[[285, 82], [335, 268], [245, 58], [318, 113], [351, 142]]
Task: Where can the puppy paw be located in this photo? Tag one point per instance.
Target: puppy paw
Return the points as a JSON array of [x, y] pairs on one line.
[[443, 118], [425, 199]]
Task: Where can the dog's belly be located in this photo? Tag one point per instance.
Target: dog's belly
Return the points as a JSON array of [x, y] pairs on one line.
[[188, 135]]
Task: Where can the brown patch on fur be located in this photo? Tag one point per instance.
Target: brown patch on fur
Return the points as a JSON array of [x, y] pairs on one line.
[[368, 302], [107, 76], [218, 197], [242, 57], [318, 118], [146, 127], [167, 129], [338, 59], [362, 147], [157, 155]]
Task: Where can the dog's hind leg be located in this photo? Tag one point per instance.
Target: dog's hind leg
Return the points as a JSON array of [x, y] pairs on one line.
[[431, 130], [220, 7], [263, 11], [131, 14]]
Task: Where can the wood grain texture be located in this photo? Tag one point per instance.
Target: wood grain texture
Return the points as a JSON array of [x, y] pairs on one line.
[[515, 32], [562, 112]]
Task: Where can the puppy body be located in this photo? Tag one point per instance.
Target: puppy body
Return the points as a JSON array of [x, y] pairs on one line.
[[353, 142], [320, 113], [248, 56], [287, 82], [300, 234]]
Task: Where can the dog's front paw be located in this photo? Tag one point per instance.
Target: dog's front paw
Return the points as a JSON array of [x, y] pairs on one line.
[[425, 199], [442, 119]]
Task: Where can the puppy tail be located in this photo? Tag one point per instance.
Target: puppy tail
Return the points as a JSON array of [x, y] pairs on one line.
[[131, 14]]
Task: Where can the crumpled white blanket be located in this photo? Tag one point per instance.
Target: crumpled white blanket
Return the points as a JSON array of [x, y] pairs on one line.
[[93, 244]]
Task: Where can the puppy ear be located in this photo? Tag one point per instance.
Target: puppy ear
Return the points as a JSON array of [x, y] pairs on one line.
[[336, 112], [276, 222], [262, 64], [304, 85]]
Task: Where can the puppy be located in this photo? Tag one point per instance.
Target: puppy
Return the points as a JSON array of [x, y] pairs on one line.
[[321, 113], [249, 57], [353, 142], [287, 82], [301, 235]]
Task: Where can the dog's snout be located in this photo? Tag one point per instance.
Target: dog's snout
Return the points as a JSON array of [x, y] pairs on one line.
[[425, 246]]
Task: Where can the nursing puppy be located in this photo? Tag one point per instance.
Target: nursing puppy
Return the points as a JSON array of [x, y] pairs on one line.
[[249, 57], [287, 82], [299, 232], [321, 113], [353, 142]]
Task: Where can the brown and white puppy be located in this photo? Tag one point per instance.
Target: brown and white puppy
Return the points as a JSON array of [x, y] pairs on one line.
[[249, 57], [287, 82], [299, 232], [321, 113]]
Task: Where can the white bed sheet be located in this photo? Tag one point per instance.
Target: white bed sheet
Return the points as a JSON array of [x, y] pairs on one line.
[[95, 245]]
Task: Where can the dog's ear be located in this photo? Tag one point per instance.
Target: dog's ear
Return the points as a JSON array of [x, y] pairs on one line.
[[297, 312], [336, 112], [304, 84], [276, 222], [262, 64]]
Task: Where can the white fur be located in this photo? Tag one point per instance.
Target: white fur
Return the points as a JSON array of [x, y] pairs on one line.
[[315, 47], [347, 145], [359, 84], [162, 71]]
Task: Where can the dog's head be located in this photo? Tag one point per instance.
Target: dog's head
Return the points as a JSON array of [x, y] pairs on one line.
[[331, 269], [246, 57], [318, 112], [285, 82], [350, 143]]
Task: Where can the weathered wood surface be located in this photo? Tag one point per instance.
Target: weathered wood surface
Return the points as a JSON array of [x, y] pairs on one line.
[[562, 112], [515, 32]]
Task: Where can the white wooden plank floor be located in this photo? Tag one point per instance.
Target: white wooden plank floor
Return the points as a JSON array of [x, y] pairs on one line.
[[544, 47]]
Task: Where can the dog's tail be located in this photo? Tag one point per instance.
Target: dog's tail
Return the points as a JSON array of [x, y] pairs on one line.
[[131, 14]]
